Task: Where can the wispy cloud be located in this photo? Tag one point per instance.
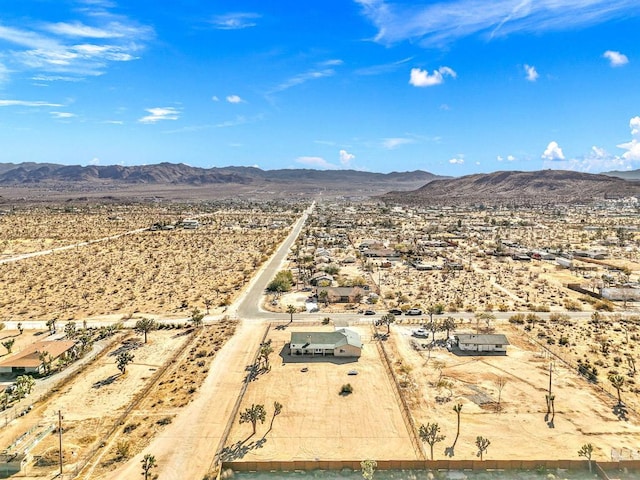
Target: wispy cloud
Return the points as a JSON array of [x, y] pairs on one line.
[[394, 142], [456, 160], [616, 59], [235, 21], [160, 113], [74, 49], [27, 103], [314, 74], [422, 78], [439, 23], [62, 115], [383, 68], [531, 73]]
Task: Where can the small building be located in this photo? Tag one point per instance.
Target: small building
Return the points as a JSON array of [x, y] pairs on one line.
[[190, 224], [29, 359], [469, 342], [342, 294], [342, 342]]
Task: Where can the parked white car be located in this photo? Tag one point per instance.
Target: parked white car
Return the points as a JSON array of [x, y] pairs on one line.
[[420, 332]]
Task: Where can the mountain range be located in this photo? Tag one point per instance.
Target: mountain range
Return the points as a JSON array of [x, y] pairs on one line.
[[419, 187], [514, 187]]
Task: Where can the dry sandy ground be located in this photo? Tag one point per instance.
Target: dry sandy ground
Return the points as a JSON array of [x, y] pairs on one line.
[[185, 449], [583, 413], [316, 421], [92, 401]]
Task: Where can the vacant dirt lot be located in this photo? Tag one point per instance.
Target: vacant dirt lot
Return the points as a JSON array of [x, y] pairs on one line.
[[519, 427], [316, 421]]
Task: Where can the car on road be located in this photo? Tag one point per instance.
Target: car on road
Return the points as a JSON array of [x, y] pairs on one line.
[[420, 332], [395, 311], [369, 312], [414, 311]]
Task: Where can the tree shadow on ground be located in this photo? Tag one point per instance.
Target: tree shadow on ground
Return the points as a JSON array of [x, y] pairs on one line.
[[620, 411], [126, 346], [107, 381], [239, 449]]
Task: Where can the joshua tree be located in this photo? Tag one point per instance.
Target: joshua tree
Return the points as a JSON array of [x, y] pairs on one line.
[[20, 329], [617, 381], [207, 304], [585, 451], [387, 320], [291, 310], [448, 324], [482, 444], [148, 462], [457, 408], [196, 317], [368, 468], [144, 326], [323, 296], [265, 350], [8, 344], [430, 433], [252, 415], [51, 325], [122, 360], [500, 383], [70, 329], [45, 358], [277, 410], [24, 385]]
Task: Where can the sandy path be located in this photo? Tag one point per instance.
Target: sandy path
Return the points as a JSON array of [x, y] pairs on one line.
[[186, 448]]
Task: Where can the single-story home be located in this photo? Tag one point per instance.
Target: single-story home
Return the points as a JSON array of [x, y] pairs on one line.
[[470, 342], [28, 360], [342, 342], [342, 294]]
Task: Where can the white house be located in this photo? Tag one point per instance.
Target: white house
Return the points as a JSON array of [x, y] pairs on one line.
[[342, 342], [469, 342]]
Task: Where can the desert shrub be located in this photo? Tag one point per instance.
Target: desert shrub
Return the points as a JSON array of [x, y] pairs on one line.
[[563, 340], [517, 319], [164, 421], [346, 389], [130, 427], [603, 305], [123, 448]]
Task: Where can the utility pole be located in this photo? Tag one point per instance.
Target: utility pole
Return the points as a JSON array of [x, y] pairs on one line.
[[60, 439]]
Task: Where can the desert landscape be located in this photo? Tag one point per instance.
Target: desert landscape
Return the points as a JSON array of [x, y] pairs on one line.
[[163, 284]]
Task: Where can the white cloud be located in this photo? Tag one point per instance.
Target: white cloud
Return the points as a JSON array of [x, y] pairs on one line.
[[235, 21], [62, 114], [395, 142], [346, 158], [94, 161], [616, 59], [422, 78], [160, 113], [634, 124], [215, 98], [532, 74], [52, 50], [456, 160], [25, 103], [553, 152], [234, 99], [316, 162], [441, 22]]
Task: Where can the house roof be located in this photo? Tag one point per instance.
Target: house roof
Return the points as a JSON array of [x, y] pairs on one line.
[[325, 340], [482, 339], [28, 357]]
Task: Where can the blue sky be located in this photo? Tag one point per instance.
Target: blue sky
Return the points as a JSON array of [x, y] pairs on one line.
[[451, 87]]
